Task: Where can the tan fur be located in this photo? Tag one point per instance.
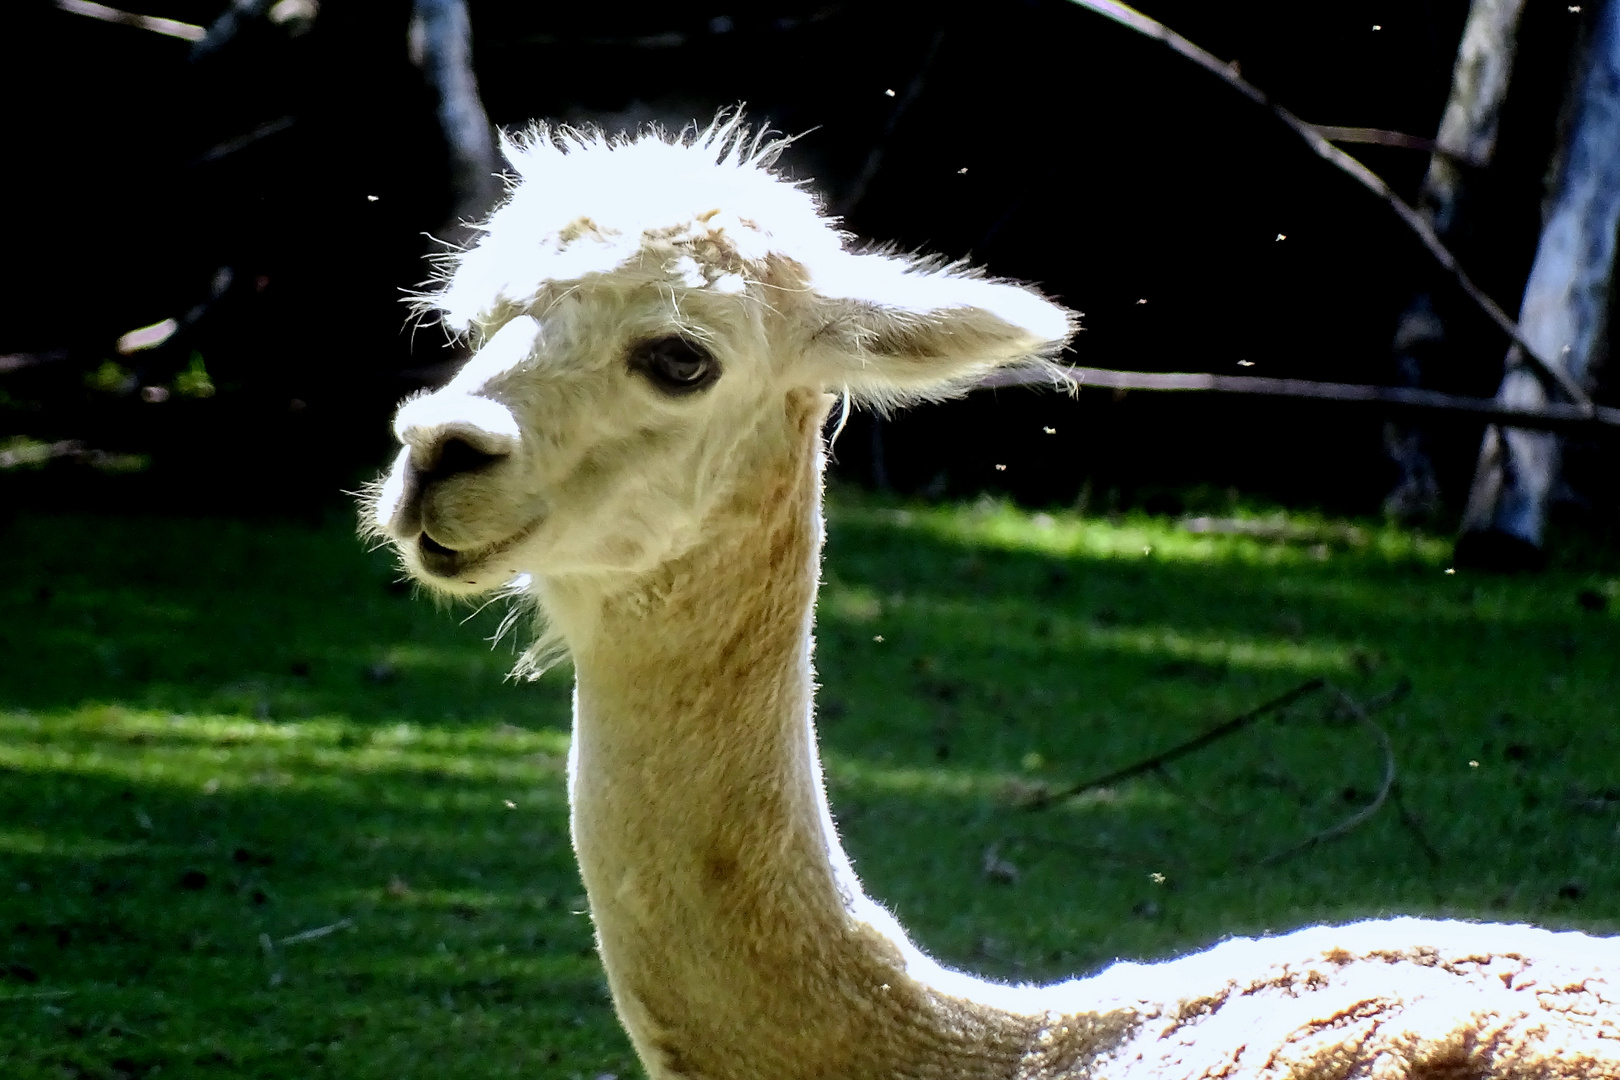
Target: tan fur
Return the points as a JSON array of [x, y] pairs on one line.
[[674, 547]]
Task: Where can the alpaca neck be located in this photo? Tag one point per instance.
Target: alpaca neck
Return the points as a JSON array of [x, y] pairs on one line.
[[735, 938]]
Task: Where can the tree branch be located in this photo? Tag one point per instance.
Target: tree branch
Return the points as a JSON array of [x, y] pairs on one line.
[[1366, 812], [1552, 416], [167, 27], [1157, 761], [1548, 371], [1375, 137]]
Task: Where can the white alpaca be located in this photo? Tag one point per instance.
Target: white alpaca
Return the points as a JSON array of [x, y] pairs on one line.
[[637, 443]]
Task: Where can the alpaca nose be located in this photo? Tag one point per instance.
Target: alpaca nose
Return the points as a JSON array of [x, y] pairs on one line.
[[457, 455], [437, 455], [463, 428], [449, 434]]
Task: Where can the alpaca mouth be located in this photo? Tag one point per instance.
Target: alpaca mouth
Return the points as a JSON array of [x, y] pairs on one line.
[[447, 562], [441, 561], [438, 560]]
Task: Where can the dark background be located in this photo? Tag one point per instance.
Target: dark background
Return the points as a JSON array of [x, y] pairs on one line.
[[1099, 165]]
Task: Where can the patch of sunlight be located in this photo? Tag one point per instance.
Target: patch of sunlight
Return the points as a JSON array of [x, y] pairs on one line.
[[117, 723], [215, 754], [330, 771], [851, 604], [979, 621], [502, 738], [467, 902], [1274, 539], [848, 774], [1267, 654], [14, 841], [954, 783], [456, 661]]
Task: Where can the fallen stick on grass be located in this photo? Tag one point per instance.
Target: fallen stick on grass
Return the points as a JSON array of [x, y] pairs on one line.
[[1221, 731], [1366, 812], [318, 932], [1152, 764]]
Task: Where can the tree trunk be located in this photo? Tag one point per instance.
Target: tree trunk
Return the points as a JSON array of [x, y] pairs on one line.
[[1467, 139], [1562, 314], [441, 45]]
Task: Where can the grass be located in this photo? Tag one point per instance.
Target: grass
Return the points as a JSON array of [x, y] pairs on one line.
[[262, 814]]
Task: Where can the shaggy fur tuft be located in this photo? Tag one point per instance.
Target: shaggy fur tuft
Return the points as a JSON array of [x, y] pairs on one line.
[[708, 208]]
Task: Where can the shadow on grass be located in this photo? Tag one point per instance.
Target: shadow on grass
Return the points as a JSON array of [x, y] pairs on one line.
[[215, 738]]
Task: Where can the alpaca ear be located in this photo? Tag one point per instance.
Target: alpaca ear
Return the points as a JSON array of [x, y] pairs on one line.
[[894, 329]]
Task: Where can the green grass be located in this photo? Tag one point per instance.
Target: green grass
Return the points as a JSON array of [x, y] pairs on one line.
[[216, 737]]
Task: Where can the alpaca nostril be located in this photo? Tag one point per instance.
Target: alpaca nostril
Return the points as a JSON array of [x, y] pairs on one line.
[[458, 456]]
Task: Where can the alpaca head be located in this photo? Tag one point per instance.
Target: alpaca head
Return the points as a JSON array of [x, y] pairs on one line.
[[639, 311]]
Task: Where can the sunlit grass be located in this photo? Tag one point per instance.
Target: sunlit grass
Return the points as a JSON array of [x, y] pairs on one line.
[[1277, 538], [979, 622], [219, 754], [216, 738]]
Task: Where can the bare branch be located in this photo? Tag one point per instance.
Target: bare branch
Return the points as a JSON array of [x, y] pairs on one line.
[[1376, 137], [1548, 371], [1551, 416], [167, 27], [1366, 812], [1157, 761], [1413, 825], [318, 932], [241, 142]]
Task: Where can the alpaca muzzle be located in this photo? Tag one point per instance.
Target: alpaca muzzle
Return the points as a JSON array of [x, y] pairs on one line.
[[459, 431], [453, 444]]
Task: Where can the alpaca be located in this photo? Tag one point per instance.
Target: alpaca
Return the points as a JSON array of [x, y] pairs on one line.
[[661, 326]]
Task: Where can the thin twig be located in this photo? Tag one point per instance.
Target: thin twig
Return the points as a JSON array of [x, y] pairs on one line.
[[1175, 783], [1389, 697], [1366, 812], [1553, 416], [1237, 723], [167, 27], [1410, 820], [1376, 137], [318, 932], [1415, 221], [240, 142]]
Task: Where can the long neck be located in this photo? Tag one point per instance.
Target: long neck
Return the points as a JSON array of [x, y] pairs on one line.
[[735, 939]]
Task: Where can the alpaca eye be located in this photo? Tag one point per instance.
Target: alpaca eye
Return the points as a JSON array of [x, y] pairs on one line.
[[676, 365]]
